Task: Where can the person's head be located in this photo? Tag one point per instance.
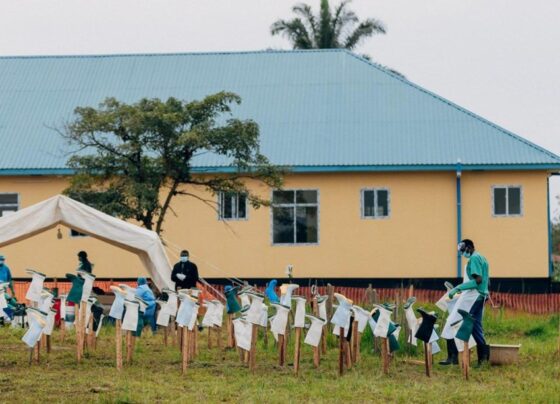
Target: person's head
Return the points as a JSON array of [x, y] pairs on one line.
[[2, 260], [142, 281], [82, 256], [466, 248], [184, 256]]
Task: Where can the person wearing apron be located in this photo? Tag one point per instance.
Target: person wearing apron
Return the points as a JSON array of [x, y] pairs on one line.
[[474, 292]]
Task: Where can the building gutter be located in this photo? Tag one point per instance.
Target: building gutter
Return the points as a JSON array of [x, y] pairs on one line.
[[458, 172]]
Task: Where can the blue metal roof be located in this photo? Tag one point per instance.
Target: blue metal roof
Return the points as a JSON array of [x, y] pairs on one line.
[[325, 110]]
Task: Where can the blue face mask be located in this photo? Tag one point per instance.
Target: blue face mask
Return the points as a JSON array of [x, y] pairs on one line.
[[184, 259], [1, 263], [467, 255]]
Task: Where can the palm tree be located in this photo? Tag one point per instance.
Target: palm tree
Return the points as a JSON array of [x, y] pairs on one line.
[[339, 28]]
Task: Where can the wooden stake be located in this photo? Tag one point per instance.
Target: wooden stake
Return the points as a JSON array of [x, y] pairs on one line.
[[38, 352], [466, 360], [230, 333], [253, 352], [62, 331], [166, 335], [184, 350], [78, 327], [348, 353], [48, 344], [129, 347], [428, 358], [219, 337], [341, 351], [281, 350], [355, 343], [91, 335], [385, 355], [297, 351], [209, 337], [118, 342]]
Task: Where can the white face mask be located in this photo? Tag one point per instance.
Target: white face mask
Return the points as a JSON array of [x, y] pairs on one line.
[[184, 259]]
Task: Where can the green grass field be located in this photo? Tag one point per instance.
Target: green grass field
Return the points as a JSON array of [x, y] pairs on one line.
[[220, 376]]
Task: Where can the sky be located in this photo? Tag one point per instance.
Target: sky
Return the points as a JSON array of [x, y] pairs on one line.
[[497, 58]]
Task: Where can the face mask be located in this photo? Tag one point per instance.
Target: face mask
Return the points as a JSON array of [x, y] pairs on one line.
[[1, 263], [184, 259], [467, 255]]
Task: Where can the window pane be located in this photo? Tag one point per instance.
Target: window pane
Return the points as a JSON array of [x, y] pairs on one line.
[[369, 203], [382, 203], [75, 233], [242, 207], [283, 225], [227, 209], [514, 201], [306, 196], [306, 224], [8, 199], [499, 201], [279, 197]]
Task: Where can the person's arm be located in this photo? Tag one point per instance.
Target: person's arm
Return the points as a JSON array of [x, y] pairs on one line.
[[476, 272], [195, 273], [174, 274]]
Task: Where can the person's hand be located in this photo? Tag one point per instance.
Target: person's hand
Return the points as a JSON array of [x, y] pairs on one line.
[[181, 276], [452, 293]]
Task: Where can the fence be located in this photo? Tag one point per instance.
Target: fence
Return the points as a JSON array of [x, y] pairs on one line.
[[544, 303]]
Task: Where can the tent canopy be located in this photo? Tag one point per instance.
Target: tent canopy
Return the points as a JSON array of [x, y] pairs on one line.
[[60, 209]]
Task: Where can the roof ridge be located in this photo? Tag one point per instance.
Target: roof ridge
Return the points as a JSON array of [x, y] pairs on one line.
[[456, 106], [155, 54]]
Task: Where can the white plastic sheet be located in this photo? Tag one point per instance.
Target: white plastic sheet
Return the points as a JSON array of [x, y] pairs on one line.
[[60, 209]]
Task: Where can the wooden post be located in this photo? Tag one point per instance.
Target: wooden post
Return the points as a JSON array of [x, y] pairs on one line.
[[428, 358], [172, 330], [316, 350], [330, 299], [281, 350], [230, 333], [253, 352], [166, 335], [184, 350], [466, 360], [128, 347], [78, 327], [38, 352], [297, 351], [341, 351], [91, 335], [83, 327], [219, 337], [348, 353], [355, 342], [385, 355], [48, 344], [118, 342], [209, 337], [62, 330]]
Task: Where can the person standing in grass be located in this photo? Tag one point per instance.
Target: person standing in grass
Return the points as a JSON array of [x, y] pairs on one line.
[[185, 272], [6, 274], [476, 285]]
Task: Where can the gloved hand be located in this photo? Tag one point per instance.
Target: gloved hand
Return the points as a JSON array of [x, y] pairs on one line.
[[181, 276], [453, 292]]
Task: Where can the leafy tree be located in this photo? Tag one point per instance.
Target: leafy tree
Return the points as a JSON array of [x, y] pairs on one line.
[[134, 159], [337, 28]]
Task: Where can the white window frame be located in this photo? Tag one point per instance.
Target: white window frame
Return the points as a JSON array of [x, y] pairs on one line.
[[295, 205], [18, 203], [507, 214], [363, 205], [236, 217]]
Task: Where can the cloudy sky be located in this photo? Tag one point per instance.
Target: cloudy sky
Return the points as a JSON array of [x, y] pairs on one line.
[[498, 58]]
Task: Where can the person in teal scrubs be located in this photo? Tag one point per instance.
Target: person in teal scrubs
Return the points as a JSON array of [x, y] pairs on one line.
[[6, 274], [478, 274]]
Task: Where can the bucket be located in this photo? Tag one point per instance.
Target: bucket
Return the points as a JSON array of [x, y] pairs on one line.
[[504, 354]]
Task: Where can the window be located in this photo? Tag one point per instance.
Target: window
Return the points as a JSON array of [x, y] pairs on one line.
[[9, 203], [75, 233], [233, 206], [375, 203], [507, 201], [295, 217]]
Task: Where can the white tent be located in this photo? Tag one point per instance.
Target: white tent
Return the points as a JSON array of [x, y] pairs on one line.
[[63, 210]]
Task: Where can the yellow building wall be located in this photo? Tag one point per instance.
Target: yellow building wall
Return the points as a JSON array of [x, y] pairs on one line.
[[418, 239]]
